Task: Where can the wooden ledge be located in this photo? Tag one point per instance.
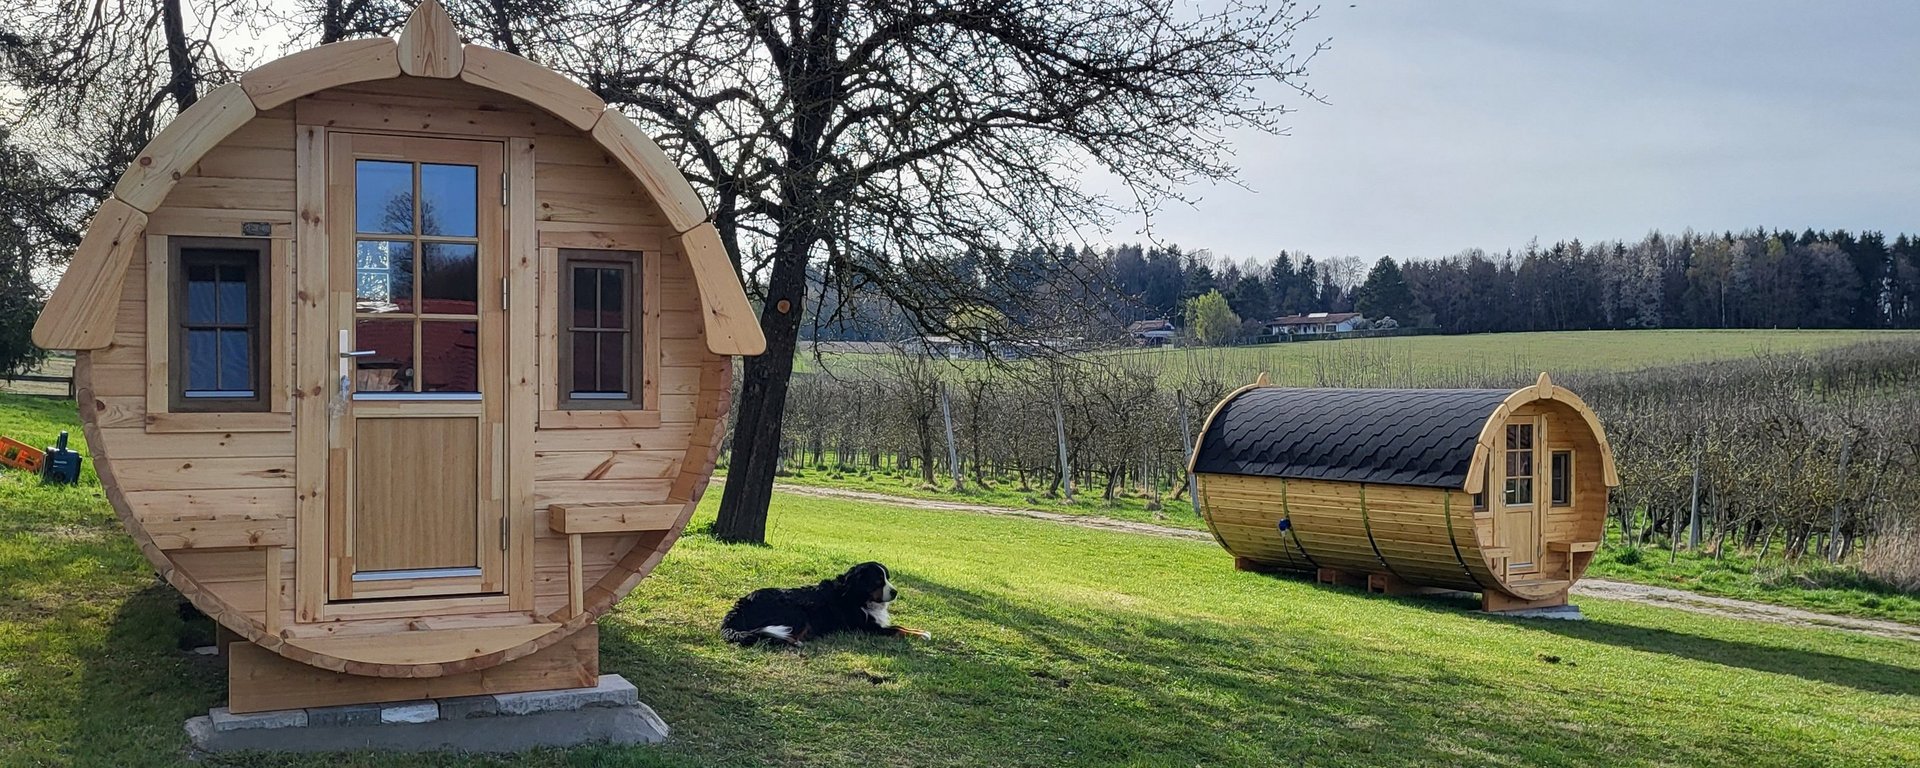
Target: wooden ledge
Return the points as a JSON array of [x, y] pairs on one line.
[[424, 646], [1572, 546], [1497, 551], [612, 518]]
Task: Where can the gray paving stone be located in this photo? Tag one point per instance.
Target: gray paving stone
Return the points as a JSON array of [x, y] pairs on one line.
[[224, 720], [463, 707], [409, 712], [596, 718], [350, 714], [613, 691]]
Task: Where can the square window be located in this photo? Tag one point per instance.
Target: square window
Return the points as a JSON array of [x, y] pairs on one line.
[[217, 318], [600, 344]]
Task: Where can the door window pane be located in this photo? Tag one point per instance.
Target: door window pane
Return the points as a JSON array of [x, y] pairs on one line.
[[449, 200], [383, 196], [390, 367], [449, 356], [450, 278], [383, 271]]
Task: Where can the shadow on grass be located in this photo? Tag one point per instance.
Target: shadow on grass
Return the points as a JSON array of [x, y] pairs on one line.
[[137, 687], [1859, 674]]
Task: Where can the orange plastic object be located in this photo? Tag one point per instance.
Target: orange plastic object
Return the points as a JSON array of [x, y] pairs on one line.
[[19, 455]]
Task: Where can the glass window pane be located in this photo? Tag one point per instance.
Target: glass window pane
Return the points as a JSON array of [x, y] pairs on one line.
[[449, 200], [384, 273], [586, 297], [585, 371], [390, 367], [613, 374], [613, 303], [236, 360], [449, 278], [202, 284], [383, 196], [203, 359], [232, 296], [449, 356]]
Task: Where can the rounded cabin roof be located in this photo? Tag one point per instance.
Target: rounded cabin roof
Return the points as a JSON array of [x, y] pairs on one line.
[[1436, 438], [79, 313]]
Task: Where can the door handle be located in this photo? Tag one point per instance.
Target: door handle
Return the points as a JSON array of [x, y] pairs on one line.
[[359, 353]]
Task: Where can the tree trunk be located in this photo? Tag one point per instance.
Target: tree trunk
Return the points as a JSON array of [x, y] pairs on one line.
[[763, 401], [183, 84]]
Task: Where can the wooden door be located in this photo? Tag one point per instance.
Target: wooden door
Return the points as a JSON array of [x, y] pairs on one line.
[[416, 495], [1522, 497]]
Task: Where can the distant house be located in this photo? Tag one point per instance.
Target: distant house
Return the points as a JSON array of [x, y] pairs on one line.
[[1315, 324], [1152, 333], [942, 346]]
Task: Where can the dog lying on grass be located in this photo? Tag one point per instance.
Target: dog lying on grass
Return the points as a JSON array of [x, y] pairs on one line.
[[855, 601]]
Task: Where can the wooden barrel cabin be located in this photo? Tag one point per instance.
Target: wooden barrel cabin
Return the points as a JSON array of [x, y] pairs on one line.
[[1485, 490], [404, 360]]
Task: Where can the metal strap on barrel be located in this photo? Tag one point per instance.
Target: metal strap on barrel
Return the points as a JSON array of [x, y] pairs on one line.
[[1368, 527], [1446, 505], [1286, 516]]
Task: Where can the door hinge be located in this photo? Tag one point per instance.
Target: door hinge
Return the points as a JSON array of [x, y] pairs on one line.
[[506, 292], [504, 525], [503, 190]]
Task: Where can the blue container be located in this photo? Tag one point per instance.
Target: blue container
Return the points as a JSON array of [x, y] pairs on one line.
[[62, 465]]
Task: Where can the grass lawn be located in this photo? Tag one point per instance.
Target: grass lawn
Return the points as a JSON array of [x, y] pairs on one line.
[[1129, 505], [1811, 584], [1053, 645]]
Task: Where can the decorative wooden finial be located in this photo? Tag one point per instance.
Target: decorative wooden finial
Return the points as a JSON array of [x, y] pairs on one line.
[[429, 44], [1544, 387], [1262, 380]]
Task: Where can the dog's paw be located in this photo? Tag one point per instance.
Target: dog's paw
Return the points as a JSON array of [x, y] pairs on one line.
[[919, 633]]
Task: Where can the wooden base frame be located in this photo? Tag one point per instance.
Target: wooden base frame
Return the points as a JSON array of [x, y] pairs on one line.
[[1496, 602], [259, 680]]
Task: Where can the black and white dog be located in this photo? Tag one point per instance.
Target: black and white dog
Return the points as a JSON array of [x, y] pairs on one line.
[[855, 601]]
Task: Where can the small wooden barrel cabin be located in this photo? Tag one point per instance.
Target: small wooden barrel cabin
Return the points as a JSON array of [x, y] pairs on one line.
[[1486, 490], [404, 361]]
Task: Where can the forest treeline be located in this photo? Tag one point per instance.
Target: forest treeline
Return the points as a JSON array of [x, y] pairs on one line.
[[1750, 279]]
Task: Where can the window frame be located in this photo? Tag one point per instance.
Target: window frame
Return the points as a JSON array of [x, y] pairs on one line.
[[1558, 481], [1508, 488], [259, 321], [640, 344]]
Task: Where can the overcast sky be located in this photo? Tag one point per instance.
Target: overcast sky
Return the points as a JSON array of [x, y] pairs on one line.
[[1456, 125]]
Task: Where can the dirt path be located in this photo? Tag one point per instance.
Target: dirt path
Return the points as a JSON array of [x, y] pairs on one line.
[[1611, 590]]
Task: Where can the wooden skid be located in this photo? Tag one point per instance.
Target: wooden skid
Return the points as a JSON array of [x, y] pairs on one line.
[[1493, 601], [259, 680]]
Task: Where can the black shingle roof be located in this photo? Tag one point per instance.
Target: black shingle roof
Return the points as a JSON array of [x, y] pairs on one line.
[[1395, 436]]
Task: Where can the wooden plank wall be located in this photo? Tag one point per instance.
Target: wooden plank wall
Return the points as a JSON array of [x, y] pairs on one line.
[[205, 495], [586, 200]]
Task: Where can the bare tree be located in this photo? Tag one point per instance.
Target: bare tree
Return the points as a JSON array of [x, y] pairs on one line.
[[904, 148]]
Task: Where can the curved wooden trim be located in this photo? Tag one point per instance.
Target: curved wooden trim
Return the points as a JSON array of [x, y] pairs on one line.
[[429, 43], [79, 315], [313, 70], [181, 144], [523, 79], [731, 327], [1200, 437], [642, 158], [1544, 389]]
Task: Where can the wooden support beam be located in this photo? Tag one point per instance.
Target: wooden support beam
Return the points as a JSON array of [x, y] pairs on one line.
[[576, 599], [534, 84], [272, 603], [316, 69], [730, 324], [181, 144], [612, 518], [79, 314]]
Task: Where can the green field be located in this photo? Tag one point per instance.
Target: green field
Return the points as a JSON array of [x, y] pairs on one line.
[[1053, 645], [1470, 358]]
